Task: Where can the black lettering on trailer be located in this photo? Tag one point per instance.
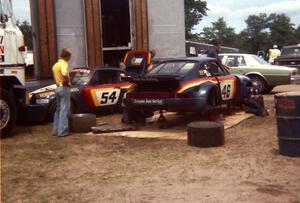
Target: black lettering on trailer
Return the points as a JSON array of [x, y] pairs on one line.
[[2, 58]]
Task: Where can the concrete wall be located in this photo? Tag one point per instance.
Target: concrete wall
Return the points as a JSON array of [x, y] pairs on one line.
[[70, 30], [166, 27]]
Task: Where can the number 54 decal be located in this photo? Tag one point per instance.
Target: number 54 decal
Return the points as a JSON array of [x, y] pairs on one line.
[[107, 97]]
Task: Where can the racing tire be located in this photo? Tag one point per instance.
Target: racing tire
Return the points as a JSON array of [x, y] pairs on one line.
[[81, 123], [8, 113], [205, 134], [259, 83]]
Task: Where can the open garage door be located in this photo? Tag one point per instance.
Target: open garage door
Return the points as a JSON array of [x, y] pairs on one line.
[[116, 19]]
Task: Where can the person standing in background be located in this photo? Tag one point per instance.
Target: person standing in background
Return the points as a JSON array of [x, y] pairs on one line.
[[214, 51], [273, 54], [62, 91]]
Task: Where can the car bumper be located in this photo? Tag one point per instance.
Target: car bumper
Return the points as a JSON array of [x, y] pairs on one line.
[[173, 104], [33, 113], [295, 79]]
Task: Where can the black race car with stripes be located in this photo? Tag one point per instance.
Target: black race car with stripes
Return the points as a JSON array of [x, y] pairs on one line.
[[182, 85]]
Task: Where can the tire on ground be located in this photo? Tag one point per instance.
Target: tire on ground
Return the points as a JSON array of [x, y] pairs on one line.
[[8, 113], [205, 134], [81, 123]]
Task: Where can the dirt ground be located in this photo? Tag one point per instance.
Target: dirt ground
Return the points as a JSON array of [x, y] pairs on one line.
[[37, 167]]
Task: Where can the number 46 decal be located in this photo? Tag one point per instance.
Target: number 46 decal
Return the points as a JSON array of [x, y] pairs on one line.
[[226, 90], [107, 97]]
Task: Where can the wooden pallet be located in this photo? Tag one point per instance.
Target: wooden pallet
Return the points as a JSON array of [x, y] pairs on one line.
[[106, 128]]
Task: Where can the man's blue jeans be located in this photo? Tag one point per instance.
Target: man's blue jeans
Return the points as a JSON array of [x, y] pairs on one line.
[[60, 123]]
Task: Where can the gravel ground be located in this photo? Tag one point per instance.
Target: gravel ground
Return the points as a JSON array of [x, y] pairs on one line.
[[37, 167]]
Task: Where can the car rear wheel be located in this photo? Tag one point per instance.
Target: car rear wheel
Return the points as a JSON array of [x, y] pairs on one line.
[[259, 83], [52, 110]]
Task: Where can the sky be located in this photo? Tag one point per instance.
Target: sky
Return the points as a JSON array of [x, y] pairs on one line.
[[21, 9], [235, 12]]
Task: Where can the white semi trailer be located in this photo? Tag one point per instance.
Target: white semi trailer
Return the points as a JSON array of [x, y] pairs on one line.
[[12, 68]]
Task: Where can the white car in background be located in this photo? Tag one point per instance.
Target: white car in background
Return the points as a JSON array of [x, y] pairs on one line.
[[263, 75]]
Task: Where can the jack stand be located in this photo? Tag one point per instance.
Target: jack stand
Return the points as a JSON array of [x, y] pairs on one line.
[[161, 117]]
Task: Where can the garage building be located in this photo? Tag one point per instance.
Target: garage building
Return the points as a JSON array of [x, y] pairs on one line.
[[100, 32]]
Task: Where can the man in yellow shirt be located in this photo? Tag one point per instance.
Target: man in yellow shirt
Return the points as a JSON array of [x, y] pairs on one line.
[[62, 91]]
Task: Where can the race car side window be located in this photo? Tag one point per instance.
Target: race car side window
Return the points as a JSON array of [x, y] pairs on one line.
[[212, 69], [106, 77]]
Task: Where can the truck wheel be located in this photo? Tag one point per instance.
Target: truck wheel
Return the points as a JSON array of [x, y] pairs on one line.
[[8, 113], [259, 83], [205, 134]]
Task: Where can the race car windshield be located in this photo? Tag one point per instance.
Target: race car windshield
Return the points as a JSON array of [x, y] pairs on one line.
[[79, 77], [176, 68]]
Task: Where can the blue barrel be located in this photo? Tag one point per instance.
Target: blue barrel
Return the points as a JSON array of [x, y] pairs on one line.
[[288, 123]]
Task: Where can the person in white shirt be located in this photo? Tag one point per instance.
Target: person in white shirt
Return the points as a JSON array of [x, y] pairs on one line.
[[273, 54]]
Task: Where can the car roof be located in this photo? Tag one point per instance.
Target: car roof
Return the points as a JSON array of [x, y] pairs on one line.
[[292, 46], [196, 59], [235, 54]]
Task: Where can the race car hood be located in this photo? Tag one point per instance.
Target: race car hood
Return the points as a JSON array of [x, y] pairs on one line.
[[49, 91]]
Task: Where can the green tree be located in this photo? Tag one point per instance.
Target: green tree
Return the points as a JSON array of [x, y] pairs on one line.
[[194, 11], [282, 31], [255, 36], [219, 30], [297, 33], [26, 29]]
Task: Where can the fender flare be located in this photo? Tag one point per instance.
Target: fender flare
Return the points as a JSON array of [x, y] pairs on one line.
[[206, 88], [257, 74]]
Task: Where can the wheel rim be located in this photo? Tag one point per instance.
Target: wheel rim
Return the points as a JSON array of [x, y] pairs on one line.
[[257, 84], [4, 113]]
